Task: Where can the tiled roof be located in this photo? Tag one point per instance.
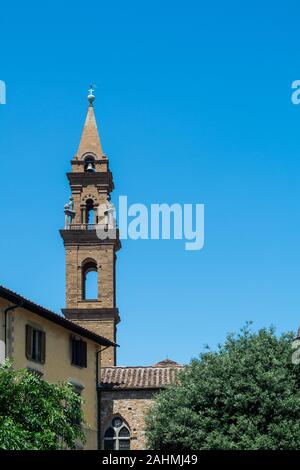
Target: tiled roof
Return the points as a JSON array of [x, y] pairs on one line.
[[156, 376], [23, 302], [167, 362]]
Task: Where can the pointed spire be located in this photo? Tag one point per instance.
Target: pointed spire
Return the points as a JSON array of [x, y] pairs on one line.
[[90, 140]]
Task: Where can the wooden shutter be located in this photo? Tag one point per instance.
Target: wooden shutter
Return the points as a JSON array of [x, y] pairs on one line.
[[80, 357], [72, 345], [28, 342], [78, 352], [43, 347], [83, 354]]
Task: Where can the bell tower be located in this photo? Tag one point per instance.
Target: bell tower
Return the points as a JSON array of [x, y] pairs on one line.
[[91, 183]]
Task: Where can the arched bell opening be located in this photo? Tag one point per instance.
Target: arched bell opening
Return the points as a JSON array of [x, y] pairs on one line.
[[89, 164], [90, 280], [90, 212]]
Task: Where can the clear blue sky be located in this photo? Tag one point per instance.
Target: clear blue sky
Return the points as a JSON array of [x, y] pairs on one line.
[[193, 105]]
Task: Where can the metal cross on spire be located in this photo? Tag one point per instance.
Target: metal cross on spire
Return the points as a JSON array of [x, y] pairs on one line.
[[91, 95]]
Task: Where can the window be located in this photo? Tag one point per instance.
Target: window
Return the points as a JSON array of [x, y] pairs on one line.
[[90, 212], [117, 436], [79, 352], [35, 344], [89, 164], [89, 280]]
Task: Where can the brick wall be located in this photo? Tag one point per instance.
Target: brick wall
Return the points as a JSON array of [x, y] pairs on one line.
[[131, 405]]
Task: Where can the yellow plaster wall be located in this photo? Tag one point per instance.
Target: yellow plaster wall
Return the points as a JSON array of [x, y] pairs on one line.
[[57, 367]]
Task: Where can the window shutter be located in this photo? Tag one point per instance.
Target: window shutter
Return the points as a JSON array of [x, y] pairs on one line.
[[78, 352], [28, 342], [43, 347], [72, 341], [84, 354]]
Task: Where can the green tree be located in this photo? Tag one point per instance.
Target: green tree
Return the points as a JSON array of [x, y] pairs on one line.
[[246, 395], [37, 415]]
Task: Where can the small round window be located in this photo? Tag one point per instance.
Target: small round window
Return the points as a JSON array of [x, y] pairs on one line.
[[117, 422]]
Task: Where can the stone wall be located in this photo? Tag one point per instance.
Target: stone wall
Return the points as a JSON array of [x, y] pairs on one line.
[[104, 257], [131, 405], [101, 323]]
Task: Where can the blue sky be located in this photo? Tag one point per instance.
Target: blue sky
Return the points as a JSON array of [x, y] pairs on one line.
[[193, 106]]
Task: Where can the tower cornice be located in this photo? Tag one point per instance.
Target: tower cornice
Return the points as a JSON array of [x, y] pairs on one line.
[[83, 236], [92, 314], [103, 179]]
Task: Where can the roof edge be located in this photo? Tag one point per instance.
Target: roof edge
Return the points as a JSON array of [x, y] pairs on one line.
[[12, 296]]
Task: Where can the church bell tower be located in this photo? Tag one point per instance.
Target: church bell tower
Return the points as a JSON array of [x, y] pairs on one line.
[[91, 183]]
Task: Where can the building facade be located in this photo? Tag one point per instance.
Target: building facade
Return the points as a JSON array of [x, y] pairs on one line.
[[56, 349], [116, 398], [126, 395]]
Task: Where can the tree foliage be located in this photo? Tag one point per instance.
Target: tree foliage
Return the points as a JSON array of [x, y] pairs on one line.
[[37, 415], [246, 395]]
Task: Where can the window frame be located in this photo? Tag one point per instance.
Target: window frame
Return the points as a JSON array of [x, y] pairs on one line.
[[35, 344], [116, 438], [88, 266], [78, 352]]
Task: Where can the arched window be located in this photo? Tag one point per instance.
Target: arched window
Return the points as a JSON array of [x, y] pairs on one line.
[[89, 164], [117, 435], [90, 280], [90, 212]]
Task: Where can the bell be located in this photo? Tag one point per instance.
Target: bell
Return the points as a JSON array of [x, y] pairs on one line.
[[90, 168]]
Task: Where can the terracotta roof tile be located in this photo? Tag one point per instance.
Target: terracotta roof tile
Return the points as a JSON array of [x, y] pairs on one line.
[[140, 377]]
